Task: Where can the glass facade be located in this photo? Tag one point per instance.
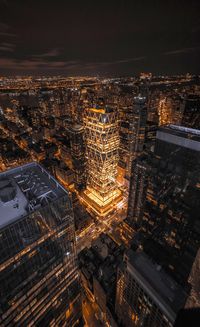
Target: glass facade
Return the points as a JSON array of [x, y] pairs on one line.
[[164, 200], [102, 143], [39, 281], [146, 296], [78, 155], [132, 131]]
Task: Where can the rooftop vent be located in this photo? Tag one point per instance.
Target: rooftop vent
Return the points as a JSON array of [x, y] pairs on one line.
[[7, 190]]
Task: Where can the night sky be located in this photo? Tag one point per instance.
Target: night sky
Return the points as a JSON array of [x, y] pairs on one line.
[[98, 37]]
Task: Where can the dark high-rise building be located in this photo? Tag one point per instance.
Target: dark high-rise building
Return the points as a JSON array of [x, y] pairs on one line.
[[146, 295], [137, 191], [39, 280], [191, 112], [78, 155], [150, 138], [173, 139], [164, 199], [132, 131], [138, 126]]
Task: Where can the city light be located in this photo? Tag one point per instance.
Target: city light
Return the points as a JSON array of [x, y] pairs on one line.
[[99, 163]]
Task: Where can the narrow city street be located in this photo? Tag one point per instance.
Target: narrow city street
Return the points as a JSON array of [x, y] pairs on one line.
[[105, 225], [89, 314]]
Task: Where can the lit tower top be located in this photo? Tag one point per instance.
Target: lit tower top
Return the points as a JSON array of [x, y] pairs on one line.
[[102, 143]]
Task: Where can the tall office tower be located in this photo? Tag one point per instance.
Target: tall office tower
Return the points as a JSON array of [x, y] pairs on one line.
[[150, 138], [153, 103], [102, 143], [146, 295], [132, 131], [78, 155], [126, 136], [138, 127], [164, 199], [39, 281], [144, 86], [191, 112], [137, 191]]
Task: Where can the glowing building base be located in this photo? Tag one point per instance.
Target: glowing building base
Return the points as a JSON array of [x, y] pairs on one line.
[[101, 208]]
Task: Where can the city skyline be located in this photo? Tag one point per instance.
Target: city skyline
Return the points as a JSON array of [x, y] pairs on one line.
[[99, 183], [99, 163], [115, 38]]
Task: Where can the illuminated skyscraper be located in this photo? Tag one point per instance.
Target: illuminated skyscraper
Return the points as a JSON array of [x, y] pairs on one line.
[[165, 111], [102, 142], [39, 281]]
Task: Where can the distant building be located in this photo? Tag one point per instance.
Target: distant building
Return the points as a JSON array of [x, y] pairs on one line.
[[191, 112], [137, 191], [78, 155], [132, 131], [38, 270], [150, 137], [145, 76], [138, 126], [146, 296], [165, 111]]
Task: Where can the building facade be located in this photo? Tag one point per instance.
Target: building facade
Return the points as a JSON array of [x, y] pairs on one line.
[[39, 280], [78, 156], [164, 199], [137, 191], [102, 143], [146, 296], [132, 131], [191, 111]]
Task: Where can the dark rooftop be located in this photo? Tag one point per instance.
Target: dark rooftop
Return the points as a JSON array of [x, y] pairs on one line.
[[162, 288], [180, 135], [25, 189]]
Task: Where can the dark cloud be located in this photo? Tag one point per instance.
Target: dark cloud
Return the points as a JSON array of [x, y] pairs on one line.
[[4, 26], [112, 37], [50, 53], [7, 47], [7, 34], [180, 51], [5, 30]]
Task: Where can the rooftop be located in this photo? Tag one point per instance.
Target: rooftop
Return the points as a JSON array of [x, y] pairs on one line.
[[185, 129], [180, 135], [139, 100], [102, 110], [77, 128], [160, 286], [25, 189]]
